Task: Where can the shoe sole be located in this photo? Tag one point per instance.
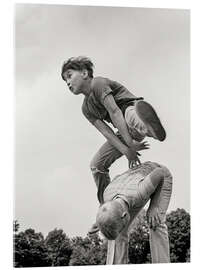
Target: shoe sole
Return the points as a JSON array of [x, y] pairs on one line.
[[149, 117]]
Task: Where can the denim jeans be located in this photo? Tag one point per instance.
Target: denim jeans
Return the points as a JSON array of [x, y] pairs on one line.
[[117, 252], [107, 154]]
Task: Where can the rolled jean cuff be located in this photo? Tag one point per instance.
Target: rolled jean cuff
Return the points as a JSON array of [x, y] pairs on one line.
[[96, 170], [102, 180]]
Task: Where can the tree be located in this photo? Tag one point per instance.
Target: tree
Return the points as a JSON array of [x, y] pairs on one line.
[[59, 248], [178, 223], [29, 249], [32, 250], [16, 226], [90, 250]]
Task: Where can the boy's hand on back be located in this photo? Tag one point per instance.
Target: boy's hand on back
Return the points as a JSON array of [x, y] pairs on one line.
[[134, 163], [132, 155], [138, 146], [153, 217]]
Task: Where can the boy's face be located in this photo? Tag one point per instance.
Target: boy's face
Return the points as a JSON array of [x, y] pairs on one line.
[[74, 80]]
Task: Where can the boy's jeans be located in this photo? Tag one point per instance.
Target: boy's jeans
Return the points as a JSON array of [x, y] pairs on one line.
[[107, 154], [117, 252]]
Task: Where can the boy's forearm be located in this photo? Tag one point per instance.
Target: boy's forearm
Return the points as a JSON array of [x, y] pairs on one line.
[[110, 136], [117, 118], [119, 122]]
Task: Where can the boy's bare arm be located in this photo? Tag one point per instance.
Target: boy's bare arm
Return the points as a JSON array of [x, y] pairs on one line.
[[130, 153], [153, 212], [117, 118], [108, 133], [119, 122]]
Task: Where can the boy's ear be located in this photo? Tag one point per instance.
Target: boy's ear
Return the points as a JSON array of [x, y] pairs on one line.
[[124, 215], [85, 73]]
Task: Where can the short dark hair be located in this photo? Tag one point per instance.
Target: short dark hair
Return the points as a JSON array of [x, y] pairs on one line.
[[78, 63]]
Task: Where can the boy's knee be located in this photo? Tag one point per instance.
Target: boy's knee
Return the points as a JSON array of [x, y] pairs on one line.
[[95, 168], [93, 165]]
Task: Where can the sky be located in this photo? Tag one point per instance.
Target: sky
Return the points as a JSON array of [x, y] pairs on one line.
[[147, 50]]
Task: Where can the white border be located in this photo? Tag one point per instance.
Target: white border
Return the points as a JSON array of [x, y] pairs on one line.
[[7, 124], [122, 3]]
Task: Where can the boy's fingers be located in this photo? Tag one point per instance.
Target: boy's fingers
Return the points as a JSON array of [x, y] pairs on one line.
[[129, 165], [144, 146], [150, 222], [145, 143], [158, 219], [138, 161], [132, 164], [154, 223]]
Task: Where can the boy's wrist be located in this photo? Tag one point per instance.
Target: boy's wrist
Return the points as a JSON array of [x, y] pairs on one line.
[[130, 143], [125, 150]]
